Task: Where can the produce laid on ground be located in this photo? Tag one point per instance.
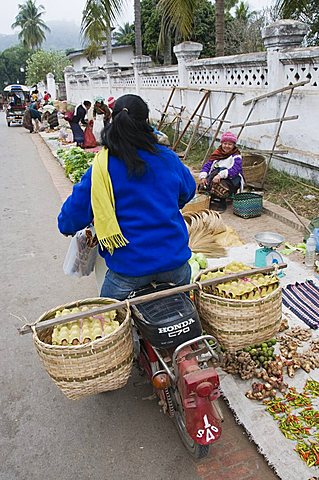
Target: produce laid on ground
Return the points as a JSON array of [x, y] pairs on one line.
[[248, 288], [296, 412], [85, 330], [298, 419], [76, 162]]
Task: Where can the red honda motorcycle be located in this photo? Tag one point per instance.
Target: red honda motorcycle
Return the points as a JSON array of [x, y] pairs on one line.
[[179, 362]]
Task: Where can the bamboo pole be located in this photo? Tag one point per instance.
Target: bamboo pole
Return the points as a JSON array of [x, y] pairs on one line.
[[274, 92], [165, 109], [296, 214], [195, 129], [246, 119], [144, 298], [262, 122], [189, 121], [276, 136]]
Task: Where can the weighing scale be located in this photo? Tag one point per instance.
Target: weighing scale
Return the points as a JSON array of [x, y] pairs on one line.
[[267, 255]]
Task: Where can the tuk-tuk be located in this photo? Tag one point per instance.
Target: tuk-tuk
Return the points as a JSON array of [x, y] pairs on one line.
[[16, 98]]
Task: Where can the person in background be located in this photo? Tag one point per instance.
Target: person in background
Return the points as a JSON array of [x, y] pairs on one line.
[[46, 97], [134, 192], [35, 115], [222, 174], [111, 103], [101, 109], [79, 117], [50, 114]]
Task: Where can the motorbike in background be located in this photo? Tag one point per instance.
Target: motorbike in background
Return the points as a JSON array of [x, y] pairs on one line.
[[180, 364]]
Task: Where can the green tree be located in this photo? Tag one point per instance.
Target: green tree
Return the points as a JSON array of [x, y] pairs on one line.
[[125, 35], [41, 63], [203, 28], [12, 65], [33, 28], [306, 11]]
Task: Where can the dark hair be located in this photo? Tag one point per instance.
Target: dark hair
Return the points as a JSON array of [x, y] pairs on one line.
[[87, 103], [130, 131]]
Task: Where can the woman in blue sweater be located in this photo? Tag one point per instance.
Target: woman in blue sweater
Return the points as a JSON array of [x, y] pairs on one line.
[[133, 193]]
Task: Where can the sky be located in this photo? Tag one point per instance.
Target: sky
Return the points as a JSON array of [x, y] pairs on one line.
[[72, 10]]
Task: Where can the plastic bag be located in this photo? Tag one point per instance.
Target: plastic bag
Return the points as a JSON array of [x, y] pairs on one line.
[[89, 138], [81, 255], [98, 127]]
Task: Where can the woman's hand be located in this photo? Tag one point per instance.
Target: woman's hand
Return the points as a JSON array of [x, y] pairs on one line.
[[203, 182], [216, 179]]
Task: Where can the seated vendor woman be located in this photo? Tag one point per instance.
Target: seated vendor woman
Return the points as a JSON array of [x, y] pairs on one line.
[[222, 174]]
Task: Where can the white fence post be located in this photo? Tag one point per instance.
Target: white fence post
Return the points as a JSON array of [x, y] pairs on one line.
[[281, 35], [140, 63], [186, 52], [51, 86]]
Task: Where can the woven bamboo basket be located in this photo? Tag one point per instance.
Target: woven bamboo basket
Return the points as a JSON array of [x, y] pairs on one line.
[[247, 204], [99, 366], [254, 166], [197, 204], [239, 323]]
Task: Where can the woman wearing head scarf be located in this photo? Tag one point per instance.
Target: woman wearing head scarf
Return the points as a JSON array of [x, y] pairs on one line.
[[222, 174], [134, 192]]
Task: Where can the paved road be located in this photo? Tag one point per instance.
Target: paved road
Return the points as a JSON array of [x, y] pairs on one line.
[[43, 435]]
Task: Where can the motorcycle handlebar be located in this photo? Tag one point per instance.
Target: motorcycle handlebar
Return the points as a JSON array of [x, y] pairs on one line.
[[28, 328]]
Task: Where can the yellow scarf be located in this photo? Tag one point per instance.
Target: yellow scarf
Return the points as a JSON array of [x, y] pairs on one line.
[[102, 198]]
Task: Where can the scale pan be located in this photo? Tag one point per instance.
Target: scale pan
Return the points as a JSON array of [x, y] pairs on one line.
[[269, 239]]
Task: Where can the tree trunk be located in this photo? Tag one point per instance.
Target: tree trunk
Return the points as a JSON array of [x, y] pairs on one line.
[[168, 49], [108, 47], [138, 28], [220, 21]]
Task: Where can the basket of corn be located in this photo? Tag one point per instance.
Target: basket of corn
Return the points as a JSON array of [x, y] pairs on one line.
[[242, 312], [90, 355]]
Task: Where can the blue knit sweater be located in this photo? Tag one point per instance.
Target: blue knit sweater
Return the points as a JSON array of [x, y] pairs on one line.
[[147, 210]]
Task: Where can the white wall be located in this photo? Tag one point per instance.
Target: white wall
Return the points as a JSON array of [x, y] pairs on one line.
[[122, 55], [247, 76]]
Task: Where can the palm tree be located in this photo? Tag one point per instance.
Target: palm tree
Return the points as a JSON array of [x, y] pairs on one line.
[[288, 8], [125, 35], [97, 18], [33, 28], [178, 15], [220, 24], [243, 12]]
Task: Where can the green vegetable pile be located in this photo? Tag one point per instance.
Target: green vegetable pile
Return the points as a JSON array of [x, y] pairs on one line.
[[262, 353], [76, 162]]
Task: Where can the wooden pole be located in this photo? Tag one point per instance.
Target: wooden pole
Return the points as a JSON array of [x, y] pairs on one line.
[[262, 122], [165, 109], [246, 119], [276, 137], [207, 95], [296, 214], [145, 298], [274, 92], [190, 120]]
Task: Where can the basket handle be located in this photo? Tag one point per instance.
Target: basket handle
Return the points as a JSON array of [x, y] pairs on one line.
[[145, 298]]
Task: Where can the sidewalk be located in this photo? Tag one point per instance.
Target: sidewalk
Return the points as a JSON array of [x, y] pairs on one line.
[[235, 456]]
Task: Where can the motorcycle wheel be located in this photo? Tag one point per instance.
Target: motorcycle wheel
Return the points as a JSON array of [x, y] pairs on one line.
[[196, 450]]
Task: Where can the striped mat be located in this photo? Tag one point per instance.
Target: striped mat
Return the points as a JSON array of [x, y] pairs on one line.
[[303, 300]]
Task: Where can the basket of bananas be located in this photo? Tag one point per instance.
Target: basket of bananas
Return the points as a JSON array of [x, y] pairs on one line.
[[243, 311]]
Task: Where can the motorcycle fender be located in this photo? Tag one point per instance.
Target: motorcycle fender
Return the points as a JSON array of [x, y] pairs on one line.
[[202, 421]]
